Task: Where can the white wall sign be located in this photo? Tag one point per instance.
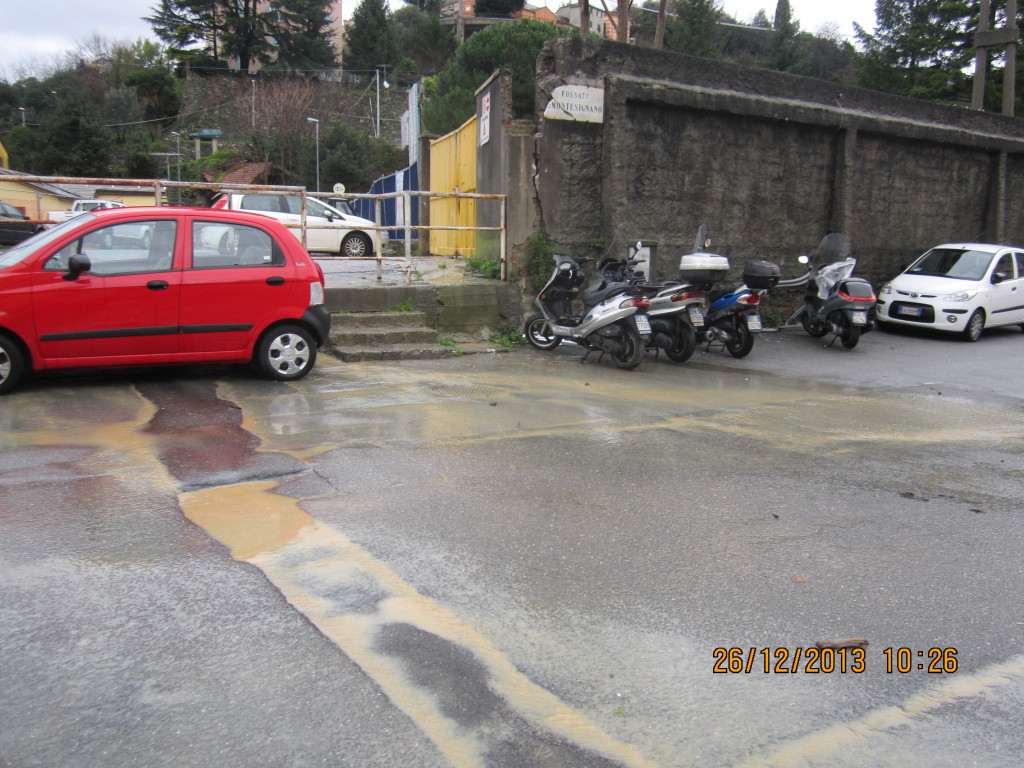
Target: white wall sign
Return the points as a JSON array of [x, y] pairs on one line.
[[576, 102], [485, 118]]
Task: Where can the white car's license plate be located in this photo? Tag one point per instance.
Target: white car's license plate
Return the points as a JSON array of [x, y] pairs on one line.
[[860, 318], [912, 311], [696, 315], [754, 322], [642, 324]]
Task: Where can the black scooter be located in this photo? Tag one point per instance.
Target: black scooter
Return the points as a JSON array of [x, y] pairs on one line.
[[835, 302]]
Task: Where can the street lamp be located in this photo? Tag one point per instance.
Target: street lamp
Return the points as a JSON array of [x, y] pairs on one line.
[[177, 149], [316, 126]]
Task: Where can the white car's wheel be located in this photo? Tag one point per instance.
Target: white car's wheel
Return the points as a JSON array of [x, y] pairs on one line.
[[974, 326], [356, 245]]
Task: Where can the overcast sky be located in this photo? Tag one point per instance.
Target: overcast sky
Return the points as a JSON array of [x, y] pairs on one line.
[[35, 32]]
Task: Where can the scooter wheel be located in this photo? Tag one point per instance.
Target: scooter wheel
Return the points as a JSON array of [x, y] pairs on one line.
[[741, 341], [684, 344], [849, 334], [632, 350], [815, 328], [539, 334]]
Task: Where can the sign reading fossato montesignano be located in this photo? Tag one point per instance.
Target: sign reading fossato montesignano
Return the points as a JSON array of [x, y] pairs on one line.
[[576, 102]]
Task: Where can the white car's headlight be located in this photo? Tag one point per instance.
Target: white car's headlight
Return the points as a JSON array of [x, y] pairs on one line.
[[886, 289], [961, 296]]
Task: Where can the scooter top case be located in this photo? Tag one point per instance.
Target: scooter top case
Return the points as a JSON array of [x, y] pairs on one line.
[[761, 275], [703, 269]]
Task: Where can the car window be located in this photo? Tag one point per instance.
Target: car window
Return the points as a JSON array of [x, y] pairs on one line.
[[266, 203], [219, 244], [316, 208], [1019, 260], [11, 212], [952, 262], [1004, 266], [122, 249]]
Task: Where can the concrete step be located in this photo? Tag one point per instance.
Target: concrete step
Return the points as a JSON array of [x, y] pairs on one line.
[[354, 320], [368, 329], [363, 353], [384, 335]]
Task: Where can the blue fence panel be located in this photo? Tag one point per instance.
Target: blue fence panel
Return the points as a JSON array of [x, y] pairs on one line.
[[392, 210]]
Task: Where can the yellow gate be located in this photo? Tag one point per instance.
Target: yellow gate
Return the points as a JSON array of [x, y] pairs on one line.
[[453, 169]]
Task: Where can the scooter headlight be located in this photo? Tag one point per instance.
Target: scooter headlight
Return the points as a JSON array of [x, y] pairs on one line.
[[960, 296]]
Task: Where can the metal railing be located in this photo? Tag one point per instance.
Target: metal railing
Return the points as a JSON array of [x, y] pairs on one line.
[[161, 186]]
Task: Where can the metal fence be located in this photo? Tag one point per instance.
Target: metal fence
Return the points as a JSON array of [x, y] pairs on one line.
[[160, 187]]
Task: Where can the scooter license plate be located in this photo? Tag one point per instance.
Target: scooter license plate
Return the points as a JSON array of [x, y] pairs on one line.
[[642, 323], [696, 316], [860, 318], [754, 322]]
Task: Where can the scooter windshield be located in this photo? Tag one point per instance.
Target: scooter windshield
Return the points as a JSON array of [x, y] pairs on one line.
[[830, 274]]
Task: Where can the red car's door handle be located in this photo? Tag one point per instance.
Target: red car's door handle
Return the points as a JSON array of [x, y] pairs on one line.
[[157, 285], [275, 281]]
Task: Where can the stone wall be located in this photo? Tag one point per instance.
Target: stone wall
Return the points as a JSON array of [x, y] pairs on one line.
[[769, 162]]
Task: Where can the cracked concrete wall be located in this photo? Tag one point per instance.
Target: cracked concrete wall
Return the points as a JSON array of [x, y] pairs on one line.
[[769, 162]]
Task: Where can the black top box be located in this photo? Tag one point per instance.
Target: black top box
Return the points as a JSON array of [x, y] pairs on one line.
[[761, 274]]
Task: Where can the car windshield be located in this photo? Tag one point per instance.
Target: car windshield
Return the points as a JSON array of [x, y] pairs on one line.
[[956, 263], [31, 245]]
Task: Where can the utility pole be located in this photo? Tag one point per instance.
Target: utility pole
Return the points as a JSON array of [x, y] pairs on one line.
[[1005, 38]]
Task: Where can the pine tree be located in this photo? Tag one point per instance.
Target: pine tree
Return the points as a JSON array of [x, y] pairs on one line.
[[694, 29], [304, 35], [920, 48], [371, 38], [784, 50]]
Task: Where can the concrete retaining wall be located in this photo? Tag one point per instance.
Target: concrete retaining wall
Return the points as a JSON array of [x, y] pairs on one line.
[[473, 309], [769, 162]]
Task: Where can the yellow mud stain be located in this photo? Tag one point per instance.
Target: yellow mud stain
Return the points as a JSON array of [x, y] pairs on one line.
[[845, 736], [248, 518], [309, 562]]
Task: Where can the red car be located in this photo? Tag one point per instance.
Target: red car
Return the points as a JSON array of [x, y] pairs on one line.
[[152, 286]]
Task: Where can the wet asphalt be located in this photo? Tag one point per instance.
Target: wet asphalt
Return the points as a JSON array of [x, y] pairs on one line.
[[518, 559]]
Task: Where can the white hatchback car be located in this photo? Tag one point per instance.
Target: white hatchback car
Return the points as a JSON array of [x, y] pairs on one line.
[[328, 230], [959, 287]]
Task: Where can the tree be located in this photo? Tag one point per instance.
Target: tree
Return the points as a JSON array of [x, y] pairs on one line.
[[76, 141], [513, 46], [156, 90], [184, 23], [694, 29], [920, 48], [238, 28], [784, 50], [354, 158], [424, 40], [761, 20], [304, 36], [371, 37], [497, 9]]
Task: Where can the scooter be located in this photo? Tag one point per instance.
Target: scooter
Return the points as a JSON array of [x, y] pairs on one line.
[[613, 320], [677, 306], [733, 318], [835, 302]]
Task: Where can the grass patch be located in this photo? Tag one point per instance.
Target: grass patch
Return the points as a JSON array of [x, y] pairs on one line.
[[405, 306], [444, 341], [510, 338], [483, 266]]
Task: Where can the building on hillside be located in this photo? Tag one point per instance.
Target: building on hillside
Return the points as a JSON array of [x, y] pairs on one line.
[[570, 14], [540, 13]]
